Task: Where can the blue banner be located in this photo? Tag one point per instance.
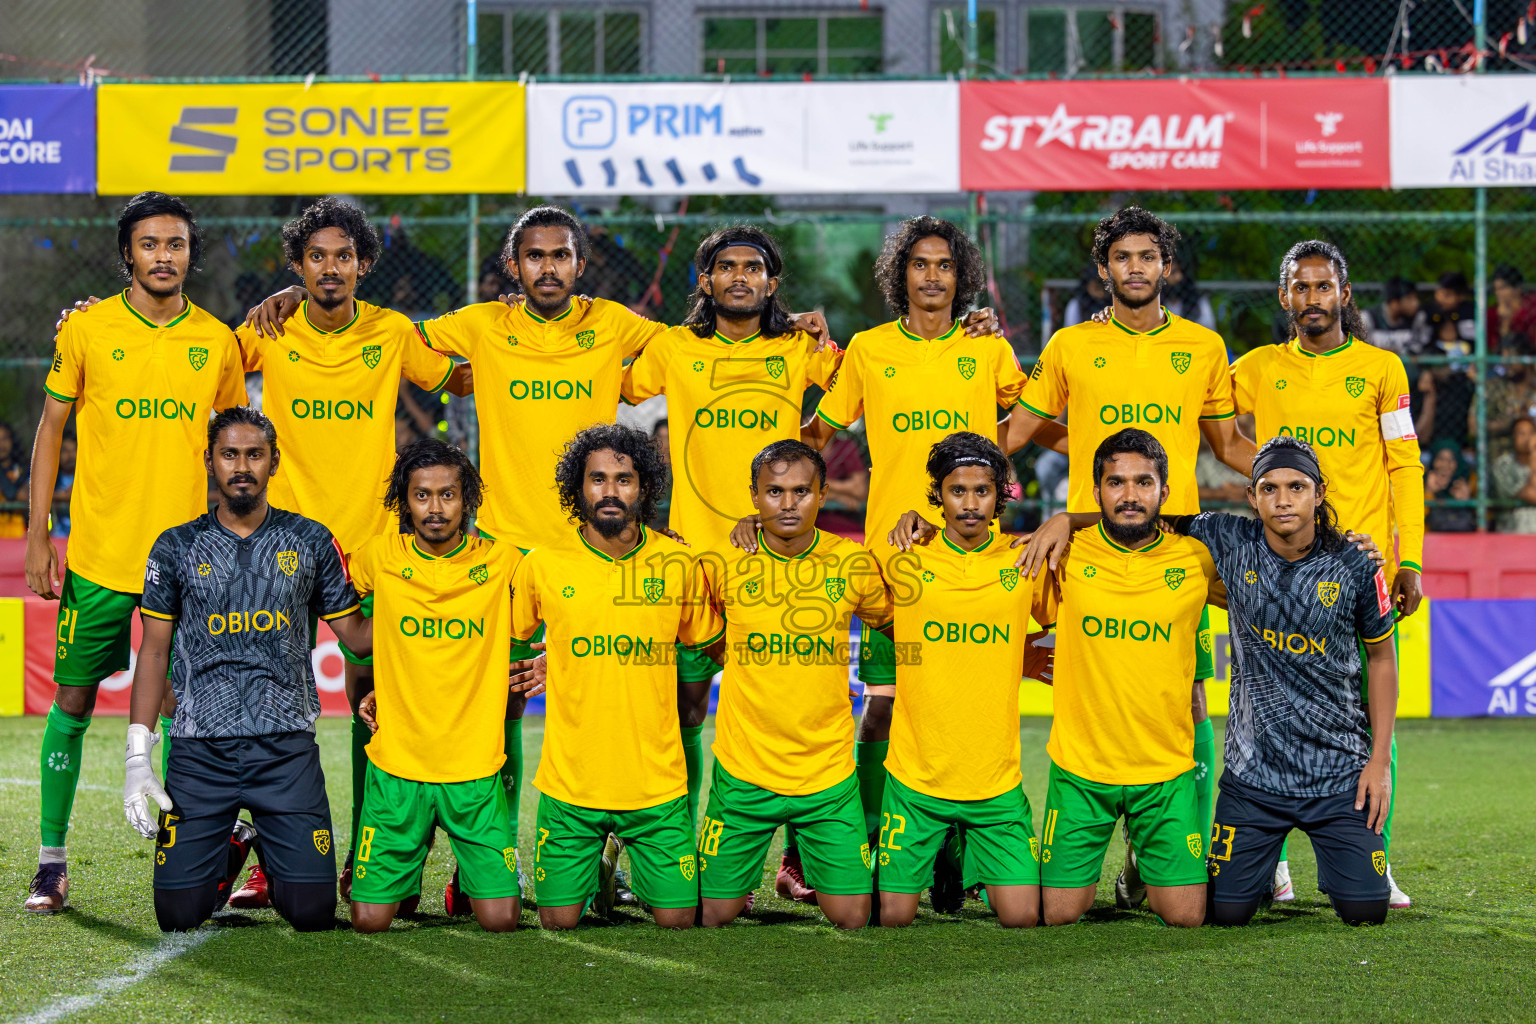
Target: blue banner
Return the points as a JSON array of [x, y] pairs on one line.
[[47, 139], [1483, 658]]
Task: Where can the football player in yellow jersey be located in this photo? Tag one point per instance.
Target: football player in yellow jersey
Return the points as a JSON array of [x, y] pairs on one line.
[[437, 596], [1127, 601], [144, 371], [783, 732], [954, 749], [617, 598], [1348, 399]]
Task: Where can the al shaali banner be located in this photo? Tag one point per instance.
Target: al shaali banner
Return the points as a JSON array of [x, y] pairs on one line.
[[285, 139], [680, 138], [1456, 131]]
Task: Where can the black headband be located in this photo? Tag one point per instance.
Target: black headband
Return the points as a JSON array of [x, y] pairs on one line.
[[768, 260], [1287, 458]]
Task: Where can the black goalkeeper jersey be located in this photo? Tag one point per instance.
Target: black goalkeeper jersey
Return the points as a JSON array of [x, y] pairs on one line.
[[1296, 725], [242, 608]]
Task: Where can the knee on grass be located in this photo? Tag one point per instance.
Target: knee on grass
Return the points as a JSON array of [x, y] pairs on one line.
[[1358, 912], [184, 910], [307, 906], [1231, 915]]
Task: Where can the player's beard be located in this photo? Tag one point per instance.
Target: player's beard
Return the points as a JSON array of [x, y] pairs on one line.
[[552, 310], [159, 290], [608, 527], [1323, 326], [743, 312], [329, 300], [241, 503], [1130, 303], [1129, 535]]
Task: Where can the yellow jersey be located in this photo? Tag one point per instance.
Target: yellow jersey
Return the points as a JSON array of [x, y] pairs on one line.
[[1107, 377], [1351, 405], [1127, 625], [143, 395], [538, 383], [784, 721], [611, 627], [331, 396], [726, 401], [955, 724], [442, 630], [911, 393]]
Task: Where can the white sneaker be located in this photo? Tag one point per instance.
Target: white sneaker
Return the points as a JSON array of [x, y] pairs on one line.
[[1284, 892], [1398, 900]]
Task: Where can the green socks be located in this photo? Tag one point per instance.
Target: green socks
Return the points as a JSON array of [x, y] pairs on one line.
[[1386, 828], [1205, 771], [361, 734], [60, 769], [693, 753], [165, 748], [869, 766], [512, 771]]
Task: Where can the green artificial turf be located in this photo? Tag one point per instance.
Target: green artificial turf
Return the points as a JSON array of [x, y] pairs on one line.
[[1465, 850]]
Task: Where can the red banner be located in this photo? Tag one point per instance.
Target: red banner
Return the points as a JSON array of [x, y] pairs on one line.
[[1174, 134]]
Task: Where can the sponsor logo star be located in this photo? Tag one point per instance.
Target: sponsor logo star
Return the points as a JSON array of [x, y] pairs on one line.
[[1280, 385], [568, 592], [890, 371], [1098, 362], [117, 355], [1057, 128]]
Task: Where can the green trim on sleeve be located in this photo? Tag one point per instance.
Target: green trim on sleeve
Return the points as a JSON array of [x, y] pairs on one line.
[[706, 643], [1222, 416], [444, 382], [1415, 566], [54, 394], [1038, 412], [828, 419]]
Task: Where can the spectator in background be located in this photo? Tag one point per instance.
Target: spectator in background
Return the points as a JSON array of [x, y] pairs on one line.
[[494, 282], [847, 489], [1453, 318], [408, 280], [1448, 477], [1182, 297], [612, 271], [1400, 324], [405, 432], [1512, 319], [14, 475], [1446, 397], [661, 438], [1089, 298], [1513, 476], [64, 485]]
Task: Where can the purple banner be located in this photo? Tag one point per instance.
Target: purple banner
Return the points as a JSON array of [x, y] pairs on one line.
[[1482, 658], [47, 139]]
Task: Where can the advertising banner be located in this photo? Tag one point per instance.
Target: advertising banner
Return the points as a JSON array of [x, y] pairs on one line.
[[595, 139], [1484, 658], [1462, 130], [1174, 134], [47, 139], [284, 139]]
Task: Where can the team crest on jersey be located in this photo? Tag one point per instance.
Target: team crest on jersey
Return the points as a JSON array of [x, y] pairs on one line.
[[1327, 593], [1355, 386], [1181, 361], [288, 561], [1009, 578], [775, 366], [837, 586], [480, 574], [1379, 861], [751, 587], [371, 354], [868, 860], [323, 840], [509, 854], [685, 864], [584, 339], [967, 367], [1205, 640], [1173, 577], [653, 588], [198, 357], [1194, 843], [1034, 848]]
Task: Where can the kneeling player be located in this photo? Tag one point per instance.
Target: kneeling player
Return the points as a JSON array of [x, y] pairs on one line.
[[1302, 751], [439, 598], [784, 732], [237, 586], [954, 754]]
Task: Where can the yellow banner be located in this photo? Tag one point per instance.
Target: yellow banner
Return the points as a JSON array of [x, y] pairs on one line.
[[284, 139]]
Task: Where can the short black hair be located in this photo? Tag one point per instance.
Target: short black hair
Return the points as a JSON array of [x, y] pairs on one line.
[[423, 454], [1509, 274], [239, 415], [633, 444], [1455, 281], [964, 448], [701, 311], [1315, 248], [891, 267], [1133, 220], [790, 451], [1396, 288], [331, 212], [544, 217], [1130, 441], [156, 204]]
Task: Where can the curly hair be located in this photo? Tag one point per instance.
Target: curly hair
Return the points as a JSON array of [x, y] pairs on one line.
[[238, 415], [1130, 441], [544, 217], [1326, 520], [701, 312], [789, 451], [423, 454], [156, 204], [1133, 220], [331, 212], [964, 448], [891, 267], [1353, 322], [633, 444]]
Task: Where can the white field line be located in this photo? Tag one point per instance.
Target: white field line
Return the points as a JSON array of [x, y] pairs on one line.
[[170, 947]]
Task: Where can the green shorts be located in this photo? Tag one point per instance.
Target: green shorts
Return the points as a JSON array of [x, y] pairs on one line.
[[94, 628], [397, 822], [1205, 650], [877, 658], [1163, 819], [998, 835], [739, 826], [659, 840], [694, 666]]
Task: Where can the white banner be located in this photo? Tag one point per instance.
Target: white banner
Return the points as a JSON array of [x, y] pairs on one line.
[[1463, 130], [743, 138]]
